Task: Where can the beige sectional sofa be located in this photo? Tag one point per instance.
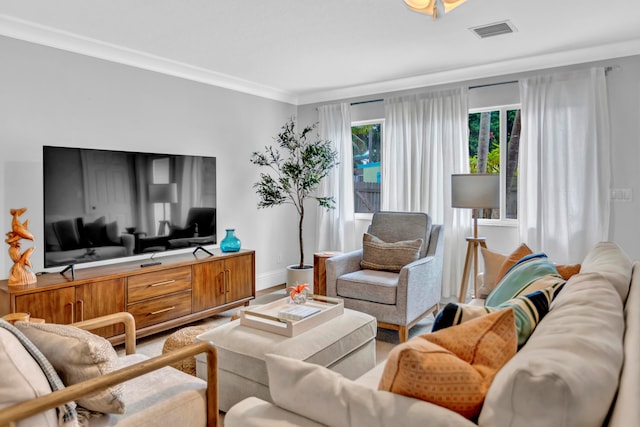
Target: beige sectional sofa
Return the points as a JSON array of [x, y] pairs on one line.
[[579, 368]]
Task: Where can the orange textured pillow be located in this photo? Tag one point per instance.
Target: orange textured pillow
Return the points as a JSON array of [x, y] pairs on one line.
[[566, 271], [453, 367], [515, 256]]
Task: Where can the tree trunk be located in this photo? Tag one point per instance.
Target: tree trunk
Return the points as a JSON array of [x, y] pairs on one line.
[[483, 141], [483, 153], [301, 264], [512, 168]]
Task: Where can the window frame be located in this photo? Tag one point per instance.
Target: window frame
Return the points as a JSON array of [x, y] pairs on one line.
[[502, 221], [364, 215]]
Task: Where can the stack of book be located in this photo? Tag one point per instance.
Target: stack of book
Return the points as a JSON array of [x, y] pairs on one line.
[[297, 312]]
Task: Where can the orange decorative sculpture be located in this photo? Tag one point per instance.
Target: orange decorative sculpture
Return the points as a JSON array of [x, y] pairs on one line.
[[20, 275]]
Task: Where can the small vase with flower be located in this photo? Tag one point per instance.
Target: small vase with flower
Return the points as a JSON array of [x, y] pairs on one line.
[[298, 294]]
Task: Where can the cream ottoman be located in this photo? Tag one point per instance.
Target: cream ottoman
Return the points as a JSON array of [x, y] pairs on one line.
[[345, 344]]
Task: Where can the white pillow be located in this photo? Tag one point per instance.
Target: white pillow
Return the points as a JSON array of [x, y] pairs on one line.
[[567, 374], [609, 259], [78, 355], [328, 398], [22, 380]]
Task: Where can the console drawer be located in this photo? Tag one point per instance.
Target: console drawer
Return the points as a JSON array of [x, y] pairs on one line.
[[158, 283], [158, 310]]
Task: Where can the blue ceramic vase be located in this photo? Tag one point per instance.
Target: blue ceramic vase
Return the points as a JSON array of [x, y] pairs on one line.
[[230, 243]]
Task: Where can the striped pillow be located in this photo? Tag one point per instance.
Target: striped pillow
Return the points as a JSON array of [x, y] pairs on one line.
[[523, 278], [380, 255], [528, 310]]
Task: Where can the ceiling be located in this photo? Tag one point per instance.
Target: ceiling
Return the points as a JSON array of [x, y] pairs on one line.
[[303, 51]]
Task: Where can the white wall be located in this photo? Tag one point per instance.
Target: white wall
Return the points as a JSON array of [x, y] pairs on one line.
[[53, 97], [624, 102]]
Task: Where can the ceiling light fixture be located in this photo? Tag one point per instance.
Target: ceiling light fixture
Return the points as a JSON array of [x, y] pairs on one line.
[[433, 7]]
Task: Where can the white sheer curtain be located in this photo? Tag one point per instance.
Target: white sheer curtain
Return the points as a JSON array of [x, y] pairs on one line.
[[565, 170], [425, 141], [336, 227]]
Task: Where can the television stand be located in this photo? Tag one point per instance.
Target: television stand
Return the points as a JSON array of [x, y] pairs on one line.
[[183, 289]]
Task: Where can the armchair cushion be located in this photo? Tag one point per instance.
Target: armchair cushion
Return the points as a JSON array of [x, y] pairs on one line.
[[388, 256], [22, 380], [453, 367], [369, 285], [78, 355]]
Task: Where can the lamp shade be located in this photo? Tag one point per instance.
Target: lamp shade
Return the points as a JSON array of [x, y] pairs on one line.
[[163, 193], [475, 190]]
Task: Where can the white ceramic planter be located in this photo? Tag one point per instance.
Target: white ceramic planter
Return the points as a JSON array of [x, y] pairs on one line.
[[296, 276]]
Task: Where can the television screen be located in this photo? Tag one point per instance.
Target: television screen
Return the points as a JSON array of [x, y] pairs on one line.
[[104, 204]]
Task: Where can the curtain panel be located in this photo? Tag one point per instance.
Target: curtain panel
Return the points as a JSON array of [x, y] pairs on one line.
[[565, 169], [336, 227], [425, 141]]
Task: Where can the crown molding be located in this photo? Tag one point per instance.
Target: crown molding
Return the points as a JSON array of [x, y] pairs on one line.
[[51, 37], [495, 69]]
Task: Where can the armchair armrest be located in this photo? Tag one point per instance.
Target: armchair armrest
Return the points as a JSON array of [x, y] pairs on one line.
[[420, 283], [28, 408], [341, 264], [111, 319]]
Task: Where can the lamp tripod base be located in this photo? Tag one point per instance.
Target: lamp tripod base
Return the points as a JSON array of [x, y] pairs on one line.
[[472, 257]]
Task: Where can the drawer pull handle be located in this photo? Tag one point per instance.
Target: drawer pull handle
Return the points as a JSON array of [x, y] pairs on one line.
[[166, 282], [163, 310]]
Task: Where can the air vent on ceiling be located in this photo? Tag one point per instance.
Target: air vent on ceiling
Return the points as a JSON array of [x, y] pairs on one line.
[[495, 29]]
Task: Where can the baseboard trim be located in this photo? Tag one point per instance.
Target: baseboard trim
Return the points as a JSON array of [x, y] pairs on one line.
[[270, 279]]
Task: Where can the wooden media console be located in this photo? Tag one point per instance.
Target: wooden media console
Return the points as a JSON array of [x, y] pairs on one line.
[[182, 289]]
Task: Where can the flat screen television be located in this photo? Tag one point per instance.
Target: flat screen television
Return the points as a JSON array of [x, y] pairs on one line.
[[106, 204]]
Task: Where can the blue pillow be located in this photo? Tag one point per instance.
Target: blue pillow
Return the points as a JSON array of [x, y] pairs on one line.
[[523, 278]]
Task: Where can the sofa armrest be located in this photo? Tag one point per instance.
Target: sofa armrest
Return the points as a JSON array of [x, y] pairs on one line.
[[341, 264], [49, 401], [112, 319]]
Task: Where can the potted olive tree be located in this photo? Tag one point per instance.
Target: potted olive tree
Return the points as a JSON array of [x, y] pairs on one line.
[[296, 166]]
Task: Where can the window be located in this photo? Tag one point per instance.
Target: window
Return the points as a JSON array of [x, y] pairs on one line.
[[366, 138], [490, 131]]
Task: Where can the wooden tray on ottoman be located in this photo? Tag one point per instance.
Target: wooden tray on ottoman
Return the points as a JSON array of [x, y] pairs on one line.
[[265, 317]]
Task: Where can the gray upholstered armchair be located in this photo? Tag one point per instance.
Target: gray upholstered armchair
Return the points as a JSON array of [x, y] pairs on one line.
[[397, 299]]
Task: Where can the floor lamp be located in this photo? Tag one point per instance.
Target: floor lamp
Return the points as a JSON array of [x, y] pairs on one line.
[[474, 191], [163, 193]]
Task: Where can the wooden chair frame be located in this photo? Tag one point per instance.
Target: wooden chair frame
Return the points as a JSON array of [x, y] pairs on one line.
[[9, 416]]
